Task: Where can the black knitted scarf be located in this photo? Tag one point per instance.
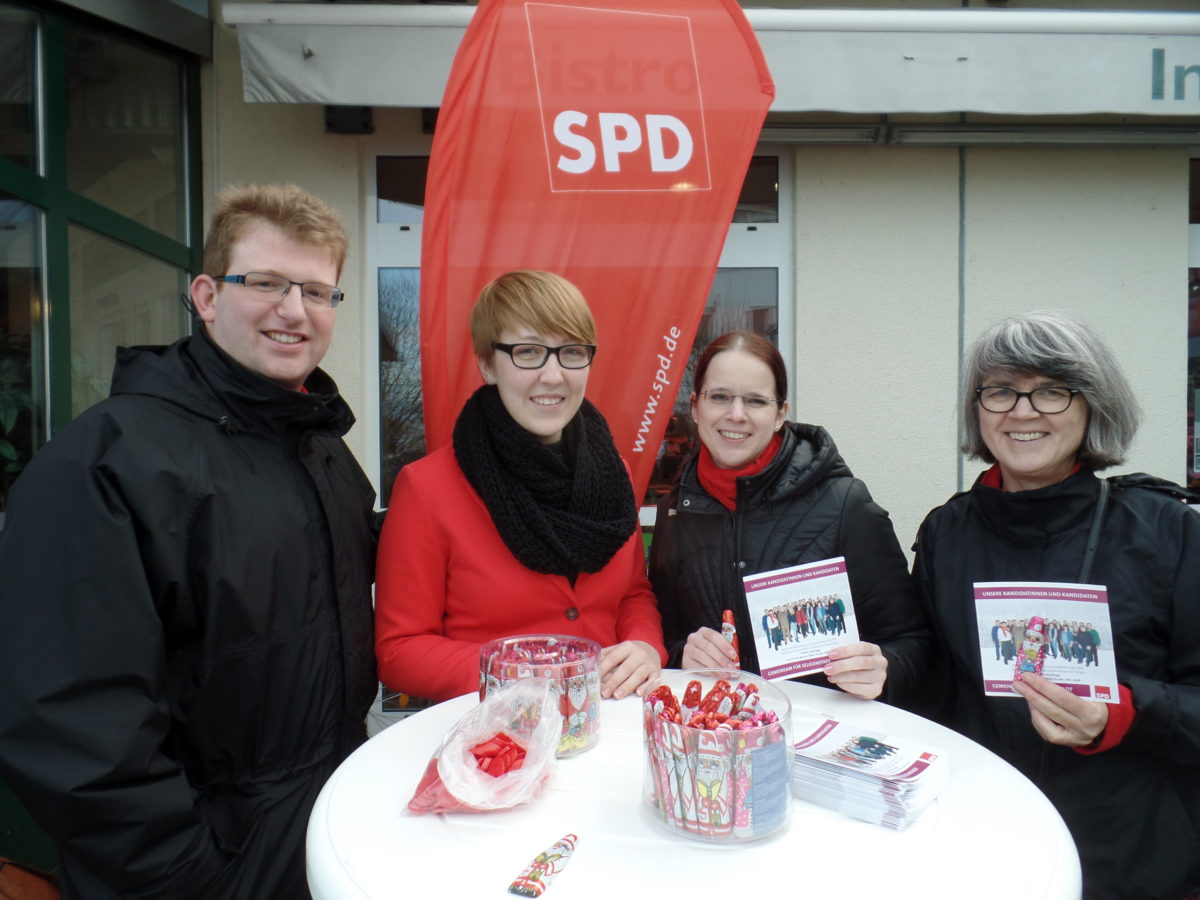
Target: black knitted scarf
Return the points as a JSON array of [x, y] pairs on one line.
[[560, 513]]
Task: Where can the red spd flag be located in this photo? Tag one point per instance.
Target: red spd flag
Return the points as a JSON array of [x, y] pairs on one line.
[[606, 142]]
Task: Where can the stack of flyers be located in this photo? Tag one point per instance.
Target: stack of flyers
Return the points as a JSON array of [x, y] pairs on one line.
[[883, 779]]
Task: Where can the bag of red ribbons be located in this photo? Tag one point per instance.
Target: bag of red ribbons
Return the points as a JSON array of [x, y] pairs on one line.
[[500, 754]]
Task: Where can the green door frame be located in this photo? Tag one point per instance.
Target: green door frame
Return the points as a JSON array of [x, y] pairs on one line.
[[61, 207]]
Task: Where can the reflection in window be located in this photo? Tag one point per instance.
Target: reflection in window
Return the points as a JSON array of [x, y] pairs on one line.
[[125, 129], [401, 187], [21, 418], [119, 297], [18, 52], [1193, 336], [1194, 191], [1193, 462], [740, 299], [401, 413], [759, 198]]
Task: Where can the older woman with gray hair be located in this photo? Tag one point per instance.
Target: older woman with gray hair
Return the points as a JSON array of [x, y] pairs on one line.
[[1046, 404]]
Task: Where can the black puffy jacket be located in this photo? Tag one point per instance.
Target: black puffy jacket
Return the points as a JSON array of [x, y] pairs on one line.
[[805, 506], [186, 652], [1134, 810]]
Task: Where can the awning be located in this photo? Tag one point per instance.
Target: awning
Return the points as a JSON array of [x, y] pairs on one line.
[[1016, 62]]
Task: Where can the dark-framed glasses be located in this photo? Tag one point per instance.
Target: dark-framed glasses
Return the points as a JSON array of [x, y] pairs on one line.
[[723, 399], [1046, 400], [534, 356], [314, 292]]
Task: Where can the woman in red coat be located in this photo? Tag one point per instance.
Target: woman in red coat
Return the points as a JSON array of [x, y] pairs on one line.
[[527, 523]]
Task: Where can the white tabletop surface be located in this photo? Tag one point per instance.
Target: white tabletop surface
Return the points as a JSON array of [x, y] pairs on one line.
[[989, 821]]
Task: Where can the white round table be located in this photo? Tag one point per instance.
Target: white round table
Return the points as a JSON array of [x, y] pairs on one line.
[[989, 820]]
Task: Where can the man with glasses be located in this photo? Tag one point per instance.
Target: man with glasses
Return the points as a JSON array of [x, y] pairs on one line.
[[187, 643]]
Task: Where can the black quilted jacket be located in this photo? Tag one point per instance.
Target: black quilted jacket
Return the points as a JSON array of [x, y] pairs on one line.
[[805, 506]]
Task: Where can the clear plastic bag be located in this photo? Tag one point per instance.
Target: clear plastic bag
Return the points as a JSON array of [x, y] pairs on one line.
[[515, 730]]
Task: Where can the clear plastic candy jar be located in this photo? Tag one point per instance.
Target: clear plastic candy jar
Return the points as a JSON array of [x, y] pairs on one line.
[[718, 754], [572, 665]]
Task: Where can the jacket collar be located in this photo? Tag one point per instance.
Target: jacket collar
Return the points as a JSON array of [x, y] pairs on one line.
[[807, 457], [1033, 518], [197, 374]]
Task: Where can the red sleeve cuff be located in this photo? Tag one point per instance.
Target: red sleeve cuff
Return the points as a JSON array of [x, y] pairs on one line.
[[1120, 718]]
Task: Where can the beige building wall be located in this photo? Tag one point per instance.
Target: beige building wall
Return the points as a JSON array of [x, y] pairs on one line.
[[876, 316], [1100, 233], [883, 292], [900, 253]]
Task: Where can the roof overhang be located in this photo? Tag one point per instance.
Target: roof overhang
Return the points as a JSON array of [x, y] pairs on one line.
[[180, 23], [1009, 62]]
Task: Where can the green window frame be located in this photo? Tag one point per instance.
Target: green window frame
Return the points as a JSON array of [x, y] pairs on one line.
[[46, 186]]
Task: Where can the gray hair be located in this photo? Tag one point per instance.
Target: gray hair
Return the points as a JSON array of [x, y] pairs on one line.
[[1061, 348]]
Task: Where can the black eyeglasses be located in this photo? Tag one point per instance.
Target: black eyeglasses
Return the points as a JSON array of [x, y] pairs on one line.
[[534, 356], [1046, 400], [723, 399], [314, 292]]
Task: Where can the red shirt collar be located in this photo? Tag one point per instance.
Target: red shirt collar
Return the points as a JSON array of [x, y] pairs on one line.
[[993, 479], [720, 483]]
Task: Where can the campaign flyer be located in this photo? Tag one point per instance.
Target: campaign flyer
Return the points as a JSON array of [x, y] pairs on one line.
[[890, 758], [800, 614], [1057, 630]]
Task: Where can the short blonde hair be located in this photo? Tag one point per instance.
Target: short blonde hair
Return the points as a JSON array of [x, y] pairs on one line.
[[543, 301], [301, 216]]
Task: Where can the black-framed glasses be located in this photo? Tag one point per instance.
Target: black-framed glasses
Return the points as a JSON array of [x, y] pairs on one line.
[[1046, 400], [534, 356], [314, 292], [724, 399]]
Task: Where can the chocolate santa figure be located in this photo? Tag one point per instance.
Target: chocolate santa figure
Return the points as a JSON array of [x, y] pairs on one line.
[[1031, 655]]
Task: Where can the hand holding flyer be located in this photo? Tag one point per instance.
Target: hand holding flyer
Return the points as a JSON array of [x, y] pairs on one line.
[[859, 669], [1060, 716], [804, 612], [1056, 630]]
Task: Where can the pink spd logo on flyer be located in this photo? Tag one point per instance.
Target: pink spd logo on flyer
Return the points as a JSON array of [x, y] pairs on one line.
[[619, 96]]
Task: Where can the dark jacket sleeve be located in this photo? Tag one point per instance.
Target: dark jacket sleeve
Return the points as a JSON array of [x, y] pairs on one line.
[[83, 718], [1167, 694], [933, 684], [664, 569], [885, 601]]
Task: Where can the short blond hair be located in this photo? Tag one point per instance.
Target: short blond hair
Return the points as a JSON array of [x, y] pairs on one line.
[[301, 216], [543, 301]]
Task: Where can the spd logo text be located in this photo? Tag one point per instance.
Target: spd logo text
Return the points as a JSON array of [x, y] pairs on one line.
[[619, 99]]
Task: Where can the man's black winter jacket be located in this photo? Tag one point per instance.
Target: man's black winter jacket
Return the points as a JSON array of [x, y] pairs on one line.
[[186, 653]]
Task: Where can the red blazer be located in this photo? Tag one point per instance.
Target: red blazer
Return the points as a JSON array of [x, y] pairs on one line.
[[446, 584]]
